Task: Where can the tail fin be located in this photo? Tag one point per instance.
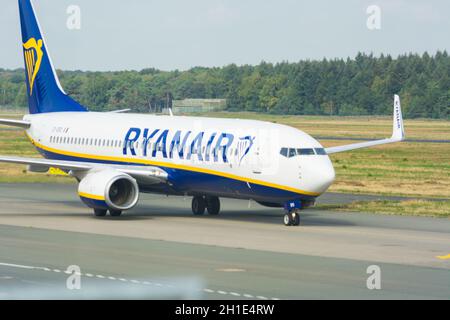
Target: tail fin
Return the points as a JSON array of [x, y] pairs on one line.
[[45, 93]]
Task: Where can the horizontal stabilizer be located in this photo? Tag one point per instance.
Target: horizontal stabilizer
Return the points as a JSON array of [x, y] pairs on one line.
[[15, 123], [120, 111]]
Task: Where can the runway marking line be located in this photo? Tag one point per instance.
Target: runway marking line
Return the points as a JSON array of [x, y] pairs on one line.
[[231, 270], [447, 257], [146, 283]]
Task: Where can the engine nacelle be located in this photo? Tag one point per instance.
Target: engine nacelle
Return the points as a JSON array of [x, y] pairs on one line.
[[108, 189]]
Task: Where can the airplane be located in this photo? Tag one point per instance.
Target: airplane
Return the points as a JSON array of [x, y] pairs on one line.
[[115, 156]]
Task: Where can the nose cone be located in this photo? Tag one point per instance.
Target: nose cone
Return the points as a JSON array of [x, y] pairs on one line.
[[324, 175]]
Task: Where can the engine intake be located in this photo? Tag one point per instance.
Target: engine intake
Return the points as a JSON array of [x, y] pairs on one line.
[[122, 193]]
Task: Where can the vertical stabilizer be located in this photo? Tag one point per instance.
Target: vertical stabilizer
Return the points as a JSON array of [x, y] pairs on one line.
[[44, 91]]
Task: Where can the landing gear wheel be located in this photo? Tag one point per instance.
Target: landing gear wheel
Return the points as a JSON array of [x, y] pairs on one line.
[[213, 205], [296, 219], [198, 205], [100, 212], [291, 219], [287, 220], [115, 213]]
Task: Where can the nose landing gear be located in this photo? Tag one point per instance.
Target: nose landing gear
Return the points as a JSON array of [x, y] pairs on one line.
[[292, 218], [292, 213]]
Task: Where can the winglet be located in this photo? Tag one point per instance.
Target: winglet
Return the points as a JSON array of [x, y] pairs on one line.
[[398, 132]]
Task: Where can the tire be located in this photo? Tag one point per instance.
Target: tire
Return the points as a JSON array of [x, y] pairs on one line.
[[198, 206], [213, 205], [296, 219], [115, 213], [100, 212], [287, 220]]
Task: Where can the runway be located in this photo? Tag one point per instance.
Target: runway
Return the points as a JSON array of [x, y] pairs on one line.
[[161, 250]]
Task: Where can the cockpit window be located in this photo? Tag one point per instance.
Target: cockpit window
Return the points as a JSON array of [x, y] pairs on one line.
[[291, 152], [321, 151], [305, 152]]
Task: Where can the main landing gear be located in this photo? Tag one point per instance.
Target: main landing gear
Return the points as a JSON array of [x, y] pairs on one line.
[[200, 204], [102, 212]]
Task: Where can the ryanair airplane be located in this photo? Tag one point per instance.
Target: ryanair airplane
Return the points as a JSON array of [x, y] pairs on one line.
[[116, 156]]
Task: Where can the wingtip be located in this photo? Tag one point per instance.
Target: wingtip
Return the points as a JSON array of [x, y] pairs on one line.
[[398, 126]]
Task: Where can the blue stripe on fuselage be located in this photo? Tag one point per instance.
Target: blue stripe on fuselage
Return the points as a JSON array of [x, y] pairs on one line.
[[191, 182]]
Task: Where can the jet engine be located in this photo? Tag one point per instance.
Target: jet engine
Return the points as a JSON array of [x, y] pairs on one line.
[[109, 189]]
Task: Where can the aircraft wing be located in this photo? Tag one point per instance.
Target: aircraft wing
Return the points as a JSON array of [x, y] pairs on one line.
[[147, 173], [398, 133], [120, 111], [15, 123]]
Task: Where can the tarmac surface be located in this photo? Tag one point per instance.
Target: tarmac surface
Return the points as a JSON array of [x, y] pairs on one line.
[[160, 250]]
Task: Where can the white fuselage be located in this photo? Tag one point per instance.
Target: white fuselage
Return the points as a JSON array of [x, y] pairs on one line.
[[248, 151]]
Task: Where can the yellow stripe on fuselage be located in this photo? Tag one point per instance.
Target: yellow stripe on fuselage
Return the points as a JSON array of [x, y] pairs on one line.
[[174, 166], [91, 196]]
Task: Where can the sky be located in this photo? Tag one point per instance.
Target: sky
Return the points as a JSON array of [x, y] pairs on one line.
[[179, 34]]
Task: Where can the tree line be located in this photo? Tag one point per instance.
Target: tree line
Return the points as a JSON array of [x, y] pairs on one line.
[[364, 85]]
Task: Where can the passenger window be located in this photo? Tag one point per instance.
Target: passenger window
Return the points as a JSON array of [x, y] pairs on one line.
[[283, 152]]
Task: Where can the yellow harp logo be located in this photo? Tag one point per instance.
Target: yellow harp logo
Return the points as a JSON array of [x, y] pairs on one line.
[[32, 50]]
